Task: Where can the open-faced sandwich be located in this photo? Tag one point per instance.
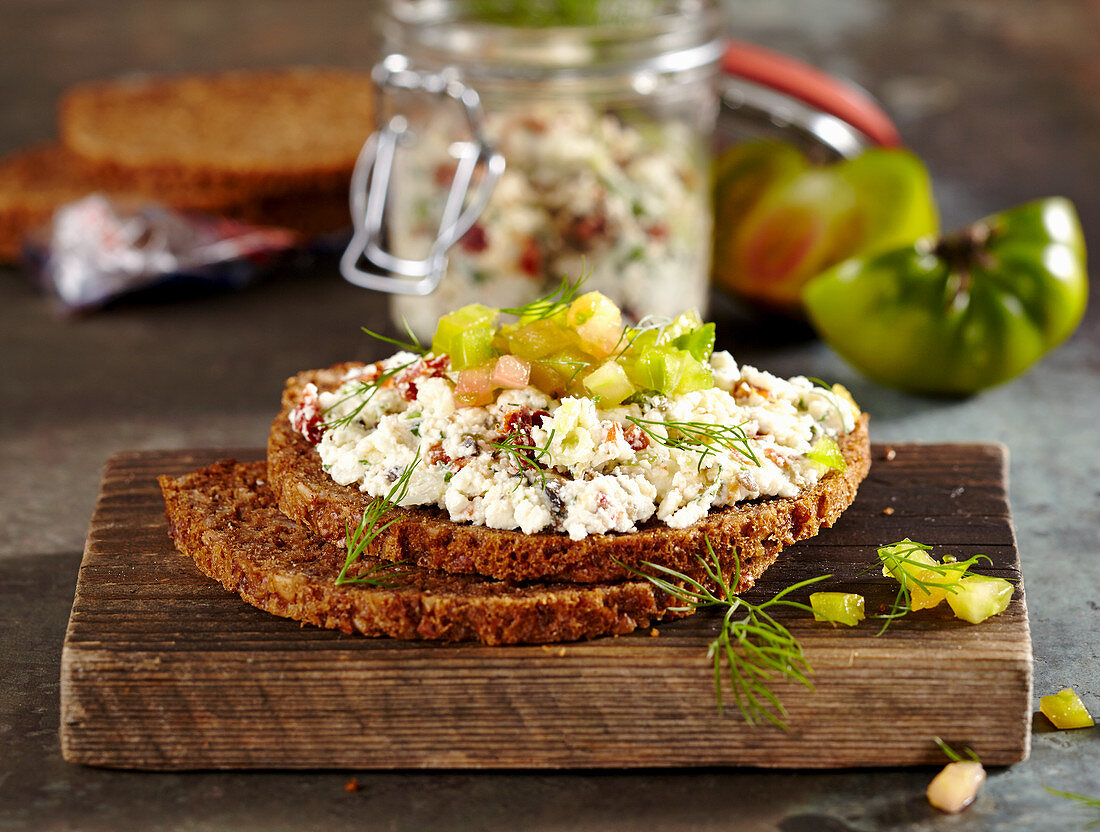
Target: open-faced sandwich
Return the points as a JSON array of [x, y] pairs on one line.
[[547, 453]]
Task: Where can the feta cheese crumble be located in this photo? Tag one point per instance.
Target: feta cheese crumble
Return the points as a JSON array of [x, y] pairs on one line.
[[534, 463]]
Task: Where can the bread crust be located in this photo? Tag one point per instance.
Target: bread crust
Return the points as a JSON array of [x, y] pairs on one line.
[[750, 534], [36, 181], [252, 133], [224, 517]]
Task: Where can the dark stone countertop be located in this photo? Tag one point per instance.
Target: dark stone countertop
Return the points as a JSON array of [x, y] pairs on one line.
[[1002, 100]]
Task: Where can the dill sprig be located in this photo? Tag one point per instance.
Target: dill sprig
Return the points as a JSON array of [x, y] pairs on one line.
[[698, 437], [896, 556], [367, 389], [370, 526], [954, 756], [1087, 801], [526, 457], [551, 304], [412, 345], [751, 643], [632, 333]]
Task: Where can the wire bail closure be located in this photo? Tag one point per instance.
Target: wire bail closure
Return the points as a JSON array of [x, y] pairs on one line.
[[370, 183]]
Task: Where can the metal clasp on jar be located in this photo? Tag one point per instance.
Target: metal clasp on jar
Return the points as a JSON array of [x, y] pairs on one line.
[[370, 183]]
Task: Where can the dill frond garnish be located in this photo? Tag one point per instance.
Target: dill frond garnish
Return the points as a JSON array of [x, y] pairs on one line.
[[551, 304], [698, 437], [1087, 801], [412, 345], [527, 457], [367, 389], [751, 644], [901, 561], [954, 756], [370, 526]]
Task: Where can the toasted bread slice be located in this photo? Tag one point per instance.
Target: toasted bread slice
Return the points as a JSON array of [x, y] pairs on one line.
[[225, 518], [253, 133], [749, 535]]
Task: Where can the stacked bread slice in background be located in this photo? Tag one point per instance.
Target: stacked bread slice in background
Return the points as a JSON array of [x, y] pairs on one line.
[[272, 147]]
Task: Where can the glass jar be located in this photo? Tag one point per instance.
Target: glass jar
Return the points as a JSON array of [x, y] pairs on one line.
[[605, 131]]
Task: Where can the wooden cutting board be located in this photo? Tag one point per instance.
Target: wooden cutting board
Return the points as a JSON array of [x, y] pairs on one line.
[[164, 669]]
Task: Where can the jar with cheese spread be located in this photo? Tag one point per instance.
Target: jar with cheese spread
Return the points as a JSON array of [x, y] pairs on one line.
[[518, 147]]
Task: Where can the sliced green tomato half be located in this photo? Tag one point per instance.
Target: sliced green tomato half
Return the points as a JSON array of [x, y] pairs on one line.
[[894, 204], [1066, 710], [790, 236], [837, 607]]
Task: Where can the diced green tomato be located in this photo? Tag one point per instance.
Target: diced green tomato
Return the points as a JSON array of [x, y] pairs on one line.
[[837, 607], [609, 383], [466, 335], [699, 342], [474, 387], [905, 556], [598, 322], [659, 370], [682, 324], [1066, 710], [911, 563], [979, 596], [637, 342], [924, 599], [546, 378], [826, 451], [696, 376], [470, 348], [510, 372], [539, 339], [955, 788], [561, 371]]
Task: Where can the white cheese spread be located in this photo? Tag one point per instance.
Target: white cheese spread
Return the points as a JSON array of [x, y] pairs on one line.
[[534, 463], [583, 193]]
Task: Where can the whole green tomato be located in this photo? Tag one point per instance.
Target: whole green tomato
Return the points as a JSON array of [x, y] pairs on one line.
[[970, 311]]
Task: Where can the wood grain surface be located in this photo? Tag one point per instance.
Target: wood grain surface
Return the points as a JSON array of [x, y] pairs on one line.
[[163, 669]]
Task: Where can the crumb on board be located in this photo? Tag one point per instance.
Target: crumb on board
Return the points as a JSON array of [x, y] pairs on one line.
[[352, 785], [888, 510], [654, 632], [889, 454], [557, 650]]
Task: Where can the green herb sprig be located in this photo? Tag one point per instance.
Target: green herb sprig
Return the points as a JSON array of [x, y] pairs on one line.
[[370, 526], [698, 437], [549, 305], [1085, 800], [412, 345], [751, 644], [892, 557], [367, 389], [526, 457]]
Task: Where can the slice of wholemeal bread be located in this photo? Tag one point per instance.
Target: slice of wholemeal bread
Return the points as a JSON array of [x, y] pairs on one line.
[[36, 181], [225, 518], [253, 133], [751, 534]]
